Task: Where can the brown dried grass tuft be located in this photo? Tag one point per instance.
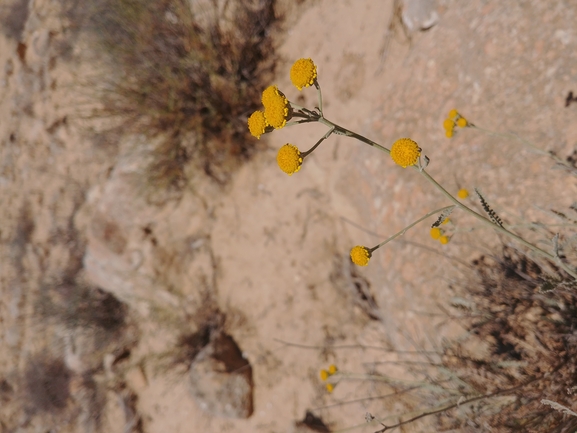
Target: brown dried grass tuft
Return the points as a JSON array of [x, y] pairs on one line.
[[529, 343], [187, 72]]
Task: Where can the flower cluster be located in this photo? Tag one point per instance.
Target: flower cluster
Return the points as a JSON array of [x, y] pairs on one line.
[[325, 374], [438, 234], [454, 119], [278, 111]]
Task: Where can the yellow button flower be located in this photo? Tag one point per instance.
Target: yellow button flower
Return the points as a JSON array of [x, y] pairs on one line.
[[289, 159], [330, 387], [303, 73], [405, 152], [444, 239], [453, 113], [435, 233], [332, 369], [463, 194], [257, 124], [449, 133], [324, 375], [448, 124], [462, 122], [360, 255], [277, 109]]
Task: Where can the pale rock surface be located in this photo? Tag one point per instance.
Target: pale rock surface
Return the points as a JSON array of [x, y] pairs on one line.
[[221, 379]]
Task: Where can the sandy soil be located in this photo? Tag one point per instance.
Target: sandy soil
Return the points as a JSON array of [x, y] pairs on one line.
[[271, 251]]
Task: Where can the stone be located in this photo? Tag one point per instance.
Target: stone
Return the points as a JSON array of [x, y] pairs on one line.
[[419, 14], [221, 379]]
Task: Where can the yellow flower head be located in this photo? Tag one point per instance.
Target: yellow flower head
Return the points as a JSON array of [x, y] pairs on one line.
[[257, 124], [449, 133], [303, 73], [463, 194], [462, 122], [332, 369], [289, 159], [405, 152], [324, 375], [436, 233], [444, 239], [277, 109], [448, 124], [330, 387], [360, 255], [453, 113]]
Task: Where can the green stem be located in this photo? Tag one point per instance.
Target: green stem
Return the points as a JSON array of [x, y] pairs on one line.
[[402, 232]]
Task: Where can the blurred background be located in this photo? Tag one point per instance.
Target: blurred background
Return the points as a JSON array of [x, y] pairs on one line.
[[159, 272]]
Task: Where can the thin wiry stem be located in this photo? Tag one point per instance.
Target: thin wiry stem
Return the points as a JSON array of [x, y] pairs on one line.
[[320, 95], [402, 232], [529, 145]]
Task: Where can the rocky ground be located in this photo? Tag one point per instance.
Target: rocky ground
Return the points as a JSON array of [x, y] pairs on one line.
[[107, 291]]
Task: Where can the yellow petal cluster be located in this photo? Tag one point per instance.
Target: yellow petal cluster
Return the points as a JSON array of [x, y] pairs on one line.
[[257, 124], [360, 255], [454, 119], [463, 194], [289, 159], [277, 109], [303, 73], [436, 233], [405, 152], [325, 374]]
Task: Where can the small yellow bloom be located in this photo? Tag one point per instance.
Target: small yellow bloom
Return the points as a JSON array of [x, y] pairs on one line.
[[449, 133], [303, 73], [405, 152], [444, 239], [257, 124], [330, 387], [446, 221], [332, 369], [277, 109], [453, 113], [360, 255], [463, 194], [462, 122], [289, 159], [436, 233], [448, 124], [324, 375]]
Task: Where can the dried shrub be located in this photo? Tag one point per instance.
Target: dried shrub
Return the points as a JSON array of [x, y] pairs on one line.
[[13, 17], [528, 335], [187, 72], [47, 384], [80, 306]]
